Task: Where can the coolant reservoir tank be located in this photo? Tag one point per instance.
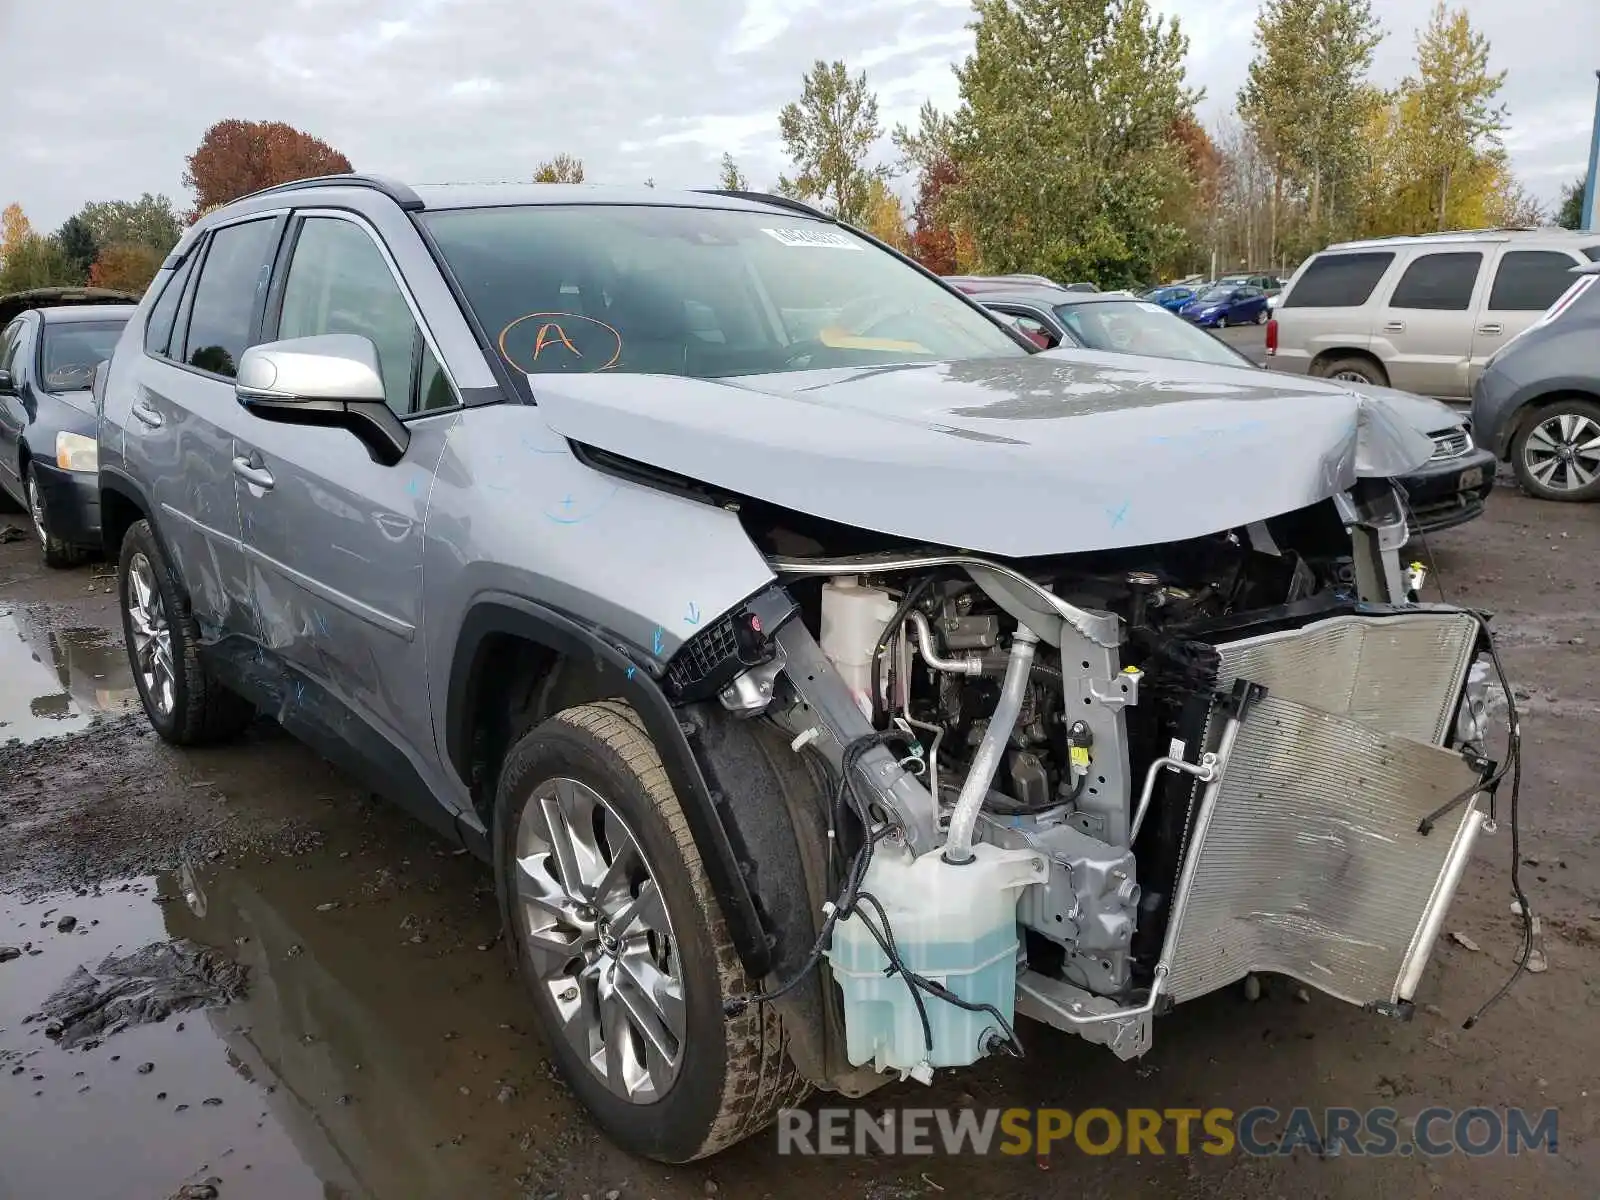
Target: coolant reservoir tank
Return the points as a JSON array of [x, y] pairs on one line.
[[954, 925], [853, 619]]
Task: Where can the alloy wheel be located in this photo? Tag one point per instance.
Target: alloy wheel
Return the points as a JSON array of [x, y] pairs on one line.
[[36, 510], [1562, 452], [591, 914], [1351, 377], [152, 635]]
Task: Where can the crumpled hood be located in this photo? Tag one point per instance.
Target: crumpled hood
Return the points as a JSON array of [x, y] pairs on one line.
[[1058, 452]]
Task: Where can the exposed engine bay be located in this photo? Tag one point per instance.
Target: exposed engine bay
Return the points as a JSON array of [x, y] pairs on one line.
[[1083, 789]]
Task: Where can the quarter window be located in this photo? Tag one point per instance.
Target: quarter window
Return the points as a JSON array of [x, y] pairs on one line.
[[1530, 280], [339, 282], [232, 279], [1339, 280], [1439, 281], [164, 312]]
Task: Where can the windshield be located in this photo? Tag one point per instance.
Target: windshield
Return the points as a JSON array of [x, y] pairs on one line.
[[1136, 327], [1217, 293], [73, 349], [707, 293]]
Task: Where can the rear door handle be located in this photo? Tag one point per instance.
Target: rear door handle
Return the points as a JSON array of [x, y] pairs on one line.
[[1395, 327], [253, 475], [146, 414], [1489, 330]]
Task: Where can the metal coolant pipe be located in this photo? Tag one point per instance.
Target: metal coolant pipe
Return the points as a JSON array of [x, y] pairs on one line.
[[958, 846]]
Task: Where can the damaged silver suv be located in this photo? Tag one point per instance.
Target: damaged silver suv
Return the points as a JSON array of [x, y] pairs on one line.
[[829, 677]]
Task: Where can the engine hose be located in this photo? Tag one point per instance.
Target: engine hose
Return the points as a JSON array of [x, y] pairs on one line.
[[975, 789]]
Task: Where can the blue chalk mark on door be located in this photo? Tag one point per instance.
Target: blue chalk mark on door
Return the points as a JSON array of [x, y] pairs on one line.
[[692, 617], [1116, 515], [659, 641]]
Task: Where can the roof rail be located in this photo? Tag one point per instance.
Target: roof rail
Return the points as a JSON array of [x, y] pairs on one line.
[[396, 191], [768, 198]]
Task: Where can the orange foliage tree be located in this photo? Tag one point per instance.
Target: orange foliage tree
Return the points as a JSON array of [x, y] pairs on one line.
[[125, 267], [235, 158]]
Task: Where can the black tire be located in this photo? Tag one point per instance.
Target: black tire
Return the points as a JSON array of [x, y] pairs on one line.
[[1263, 317], [1539, 428], [1355, 368], [201, 710], [56, 553], [734, 1074]]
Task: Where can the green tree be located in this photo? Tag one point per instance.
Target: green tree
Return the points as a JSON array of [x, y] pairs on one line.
[[78, 246], [563, 168], [829, 134], [1569, 213], [732, 179], [36, 262], [1061, 143], [148, 221], [1307, 100]]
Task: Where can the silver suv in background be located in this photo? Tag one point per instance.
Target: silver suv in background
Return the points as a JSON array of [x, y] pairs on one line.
[[1422, 314]]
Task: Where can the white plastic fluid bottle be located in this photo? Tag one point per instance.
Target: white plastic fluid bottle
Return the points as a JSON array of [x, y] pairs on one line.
[[952, 924], [853, 619]]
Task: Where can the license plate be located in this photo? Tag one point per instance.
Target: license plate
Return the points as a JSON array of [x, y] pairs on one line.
[[1470, 478]]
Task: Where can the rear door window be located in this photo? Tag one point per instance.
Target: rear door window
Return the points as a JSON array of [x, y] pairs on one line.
[[1592, 253], [164, 312], [227, 296], [1441, 282], [1530, 280], [1339, 280]]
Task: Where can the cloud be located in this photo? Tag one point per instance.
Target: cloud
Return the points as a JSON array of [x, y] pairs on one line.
[[457, 90]]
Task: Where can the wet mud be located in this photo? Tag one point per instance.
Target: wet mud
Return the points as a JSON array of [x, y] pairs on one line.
[[380, 1046]]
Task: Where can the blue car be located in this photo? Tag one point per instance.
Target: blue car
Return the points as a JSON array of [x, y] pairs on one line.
[[1229, 305], [1171, 298]]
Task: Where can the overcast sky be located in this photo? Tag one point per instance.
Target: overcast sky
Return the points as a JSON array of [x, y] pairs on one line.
[[103, 99]]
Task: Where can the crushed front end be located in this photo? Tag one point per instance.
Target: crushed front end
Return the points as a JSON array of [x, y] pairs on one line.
[[1085, 789]]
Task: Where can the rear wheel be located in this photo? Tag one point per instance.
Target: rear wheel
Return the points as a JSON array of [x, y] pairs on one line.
[[184, 703], [1354, 370], [1556, 453], [617, 934], [56, 552], [1261, 317]]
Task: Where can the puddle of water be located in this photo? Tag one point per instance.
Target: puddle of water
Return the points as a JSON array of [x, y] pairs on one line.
[[379, 1052], [58, 681]]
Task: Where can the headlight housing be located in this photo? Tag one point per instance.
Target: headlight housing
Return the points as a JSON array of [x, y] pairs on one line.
[[75, 452]]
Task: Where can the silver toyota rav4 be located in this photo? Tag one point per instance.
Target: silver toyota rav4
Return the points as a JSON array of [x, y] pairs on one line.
[[829, 676]]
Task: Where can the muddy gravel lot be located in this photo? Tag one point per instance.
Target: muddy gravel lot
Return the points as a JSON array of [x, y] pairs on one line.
[[381, 1047]]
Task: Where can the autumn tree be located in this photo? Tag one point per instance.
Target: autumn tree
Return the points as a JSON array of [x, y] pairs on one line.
[[933, 238], [126, 266], [148, 221], [732, 179], [563, 168], [885, 216], [236, 157], [1061, 141], [829, 133], [15, 229], [36, 262]]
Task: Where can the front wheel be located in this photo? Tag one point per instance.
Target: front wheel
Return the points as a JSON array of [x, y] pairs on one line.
[[57, 553], [1261, 317], [1556, 453], [618, 936]]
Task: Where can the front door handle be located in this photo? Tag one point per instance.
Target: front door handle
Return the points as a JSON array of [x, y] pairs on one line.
[[1489, 330], [1395, 327], [147, 415], [253, 475]]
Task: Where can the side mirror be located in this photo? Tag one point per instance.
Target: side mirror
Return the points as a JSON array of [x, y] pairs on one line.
[[7, 386], [331, 379]]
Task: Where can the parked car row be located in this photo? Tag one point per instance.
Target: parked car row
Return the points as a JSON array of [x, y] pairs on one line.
[[568, 520]]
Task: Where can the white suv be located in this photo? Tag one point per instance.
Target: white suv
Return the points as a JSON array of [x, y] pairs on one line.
[[1424, 313]]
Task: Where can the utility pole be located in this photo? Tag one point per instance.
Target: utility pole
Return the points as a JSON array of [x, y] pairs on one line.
[[1592, 186]]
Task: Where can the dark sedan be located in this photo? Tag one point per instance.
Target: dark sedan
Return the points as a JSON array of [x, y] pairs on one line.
[[1450, 490], [48, 458], [1538, 400]]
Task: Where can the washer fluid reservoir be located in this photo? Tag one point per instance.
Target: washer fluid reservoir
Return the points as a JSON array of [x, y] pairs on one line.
[[953, 925]]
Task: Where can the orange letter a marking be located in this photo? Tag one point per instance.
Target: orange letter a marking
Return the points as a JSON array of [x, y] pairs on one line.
[[550, 334]]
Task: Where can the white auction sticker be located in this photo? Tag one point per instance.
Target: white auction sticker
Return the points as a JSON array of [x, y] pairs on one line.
[[813, 239]]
